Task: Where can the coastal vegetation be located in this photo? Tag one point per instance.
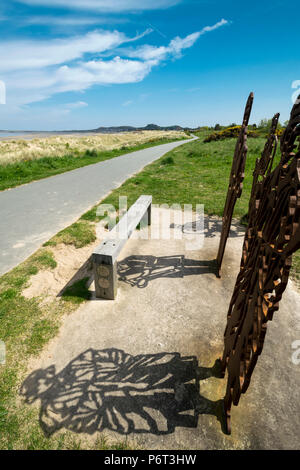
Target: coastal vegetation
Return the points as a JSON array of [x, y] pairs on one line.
[[24, 161]]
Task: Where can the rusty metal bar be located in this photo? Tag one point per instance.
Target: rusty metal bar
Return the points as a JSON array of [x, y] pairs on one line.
[[235, 182]]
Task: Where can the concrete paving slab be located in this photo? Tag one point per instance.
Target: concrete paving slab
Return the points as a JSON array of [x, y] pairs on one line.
[[142, 366]]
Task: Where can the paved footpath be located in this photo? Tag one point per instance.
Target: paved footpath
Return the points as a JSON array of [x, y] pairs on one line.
[[33, 213]]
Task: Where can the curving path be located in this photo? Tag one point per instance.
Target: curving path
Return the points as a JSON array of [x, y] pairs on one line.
[[33, 213]]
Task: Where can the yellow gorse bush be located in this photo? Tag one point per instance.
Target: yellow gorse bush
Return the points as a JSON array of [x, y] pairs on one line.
[[228, 133]]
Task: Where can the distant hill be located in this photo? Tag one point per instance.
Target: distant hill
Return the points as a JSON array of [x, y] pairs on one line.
[[104, 130], [149, 127]]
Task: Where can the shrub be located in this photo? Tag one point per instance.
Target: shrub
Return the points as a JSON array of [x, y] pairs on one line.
[[192, 153], [168, 161], [91, 153], [228, 133], [280, 132]]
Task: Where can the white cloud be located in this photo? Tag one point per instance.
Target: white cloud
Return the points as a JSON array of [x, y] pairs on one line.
[[127, 103], [105, 5], [192, 90], [65, 21], [35, 70], [175, 47], [33, 86], [76, 105], [17, 55]]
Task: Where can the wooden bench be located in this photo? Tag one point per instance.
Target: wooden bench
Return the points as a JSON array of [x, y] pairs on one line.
[[105, 256]]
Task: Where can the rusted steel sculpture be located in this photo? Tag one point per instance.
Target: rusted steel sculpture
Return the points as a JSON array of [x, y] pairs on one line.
[[272, 236], [236, 181], [263, 165]]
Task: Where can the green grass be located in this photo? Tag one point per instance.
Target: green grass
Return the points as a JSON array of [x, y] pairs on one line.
[[296, 268], [42, 331], [21, 322], [15, 174], [25, 328], [45, 259], [194, 173], [18, 278], [79, 234]]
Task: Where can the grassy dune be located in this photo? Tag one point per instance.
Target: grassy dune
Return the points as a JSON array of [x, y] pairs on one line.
[[20, 150], [41, 158]]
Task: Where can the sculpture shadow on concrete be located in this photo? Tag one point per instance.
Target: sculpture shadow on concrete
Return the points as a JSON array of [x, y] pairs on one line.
[[212, 227], [111, 390]]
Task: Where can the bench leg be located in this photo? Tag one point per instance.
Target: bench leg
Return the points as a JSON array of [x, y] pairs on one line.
[[149, 214], [146, 219], [105, 276]]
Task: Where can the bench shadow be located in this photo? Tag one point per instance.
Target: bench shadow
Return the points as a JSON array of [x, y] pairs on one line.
[[85, 272], [139, 270], [112, 390]]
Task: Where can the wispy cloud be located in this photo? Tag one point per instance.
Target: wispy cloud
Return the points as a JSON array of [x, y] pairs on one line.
[[194, 89], [36, 70], [33, 86], [127, 103], [175, 47], [65, 21], [105, 5], [207, 29], [76, 105], [17, 55]]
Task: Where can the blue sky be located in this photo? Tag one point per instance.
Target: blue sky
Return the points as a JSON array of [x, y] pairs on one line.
[[81, 64]]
